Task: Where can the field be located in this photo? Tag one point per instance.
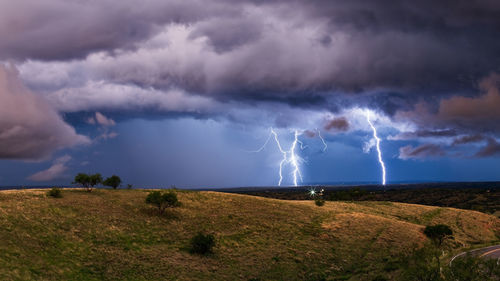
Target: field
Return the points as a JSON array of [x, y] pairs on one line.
[[483, 197], [115, 235]]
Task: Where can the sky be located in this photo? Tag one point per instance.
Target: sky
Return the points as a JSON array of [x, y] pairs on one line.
[[187, 92]]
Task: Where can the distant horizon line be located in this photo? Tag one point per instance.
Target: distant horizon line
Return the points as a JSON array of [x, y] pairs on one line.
[[317, 184]]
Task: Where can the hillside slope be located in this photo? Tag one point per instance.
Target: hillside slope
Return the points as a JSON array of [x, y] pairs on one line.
[[112, 235]]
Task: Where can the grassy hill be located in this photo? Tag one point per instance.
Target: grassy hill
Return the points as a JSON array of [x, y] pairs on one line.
[[483, 197], [114, 235]]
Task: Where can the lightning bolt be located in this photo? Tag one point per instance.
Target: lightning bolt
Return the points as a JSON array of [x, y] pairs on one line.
[[289, 156], [264, 145], [322, 139], [294, 159], [284, 160], [382, 164]]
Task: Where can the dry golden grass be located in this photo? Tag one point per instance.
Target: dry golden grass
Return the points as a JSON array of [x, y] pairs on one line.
[[114, 235]]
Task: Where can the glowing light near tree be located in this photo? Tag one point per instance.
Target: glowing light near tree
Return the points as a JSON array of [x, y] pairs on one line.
[[312, 192]]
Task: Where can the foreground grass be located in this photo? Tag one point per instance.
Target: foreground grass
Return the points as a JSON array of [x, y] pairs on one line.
[[114, 235]]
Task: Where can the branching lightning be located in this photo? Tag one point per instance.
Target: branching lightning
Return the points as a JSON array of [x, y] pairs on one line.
[[380, 160], [284, 160], [294, 159], [322, 140], [289, 156]]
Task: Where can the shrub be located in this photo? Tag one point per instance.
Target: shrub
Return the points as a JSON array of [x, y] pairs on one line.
[[113, 181], [202, 243], [319, 202], [438, 233], [129, 186], [55, 192], [163, 200]]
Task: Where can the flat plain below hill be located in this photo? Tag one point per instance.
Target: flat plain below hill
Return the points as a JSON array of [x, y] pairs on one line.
[[115, 235]]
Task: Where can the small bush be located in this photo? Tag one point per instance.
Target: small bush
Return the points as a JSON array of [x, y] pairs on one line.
[[55, 192], [438, 233], [319, 202], [163, 200], [202, 244]]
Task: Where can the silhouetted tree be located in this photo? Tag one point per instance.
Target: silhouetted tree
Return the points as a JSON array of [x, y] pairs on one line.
[[95, 179], [88, 181], [113, 181], [84, 180]]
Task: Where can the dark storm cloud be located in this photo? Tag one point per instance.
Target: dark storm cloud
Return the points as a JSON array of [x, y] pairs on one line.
[[407, 44], [225, 34], [193, 56], [466, 115], [420, 152], [57, 29], [492, 148]]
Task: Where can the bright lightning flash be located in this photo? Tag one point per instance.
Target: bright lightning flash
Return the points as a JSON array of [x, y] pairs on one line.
[[294, 159], [380, 160], [289, 156], [284, 160]]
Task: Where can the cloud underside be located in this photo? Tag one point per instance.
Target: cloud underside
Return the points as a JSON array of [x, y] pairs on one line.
[[434, 70]]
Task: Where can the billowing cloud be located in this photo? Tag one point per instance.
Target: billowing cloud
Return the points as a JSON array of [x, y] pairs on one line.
[[420, 152], [254, 50], [77, 28], [54, 172], [29, 127], [212, 58], [112, 97]]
